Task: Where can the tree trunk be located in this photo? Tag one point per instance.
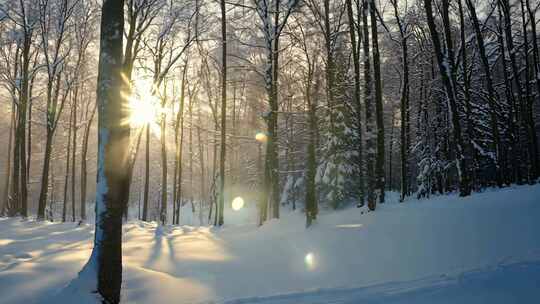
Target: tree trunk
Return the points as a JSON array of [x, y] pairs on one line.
[[469, 135], [274, 108], [163, 211], [201, 160], [29, 131], [45, 176], [311, 166], [12, 199], [113, 156], [390, 181], [506, 14], [191, 190], [74, 154], [21, 125], [492, 94], [146, 174], [447, 79], [5, 194], [404, 108], [68, 164], [223, 113], [536, 69], [52, 199], [529, 120], [84, 151], [52, 116], [536, 52], [368, 100], [379, 163], [179, 149], [513, 123]]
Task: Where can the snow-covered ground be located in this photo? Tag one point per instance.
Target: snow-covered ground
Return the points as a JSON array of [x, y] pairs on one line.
[[480, 249]]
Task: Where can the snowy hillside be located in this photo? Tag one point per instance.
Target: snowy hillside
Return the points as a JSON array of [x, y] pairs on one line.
[[481, 249]]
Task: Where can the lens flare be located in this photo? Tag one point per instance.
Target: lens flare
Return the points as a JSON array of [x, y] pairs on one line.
[[261, 137], [310, 261], [237, 203]]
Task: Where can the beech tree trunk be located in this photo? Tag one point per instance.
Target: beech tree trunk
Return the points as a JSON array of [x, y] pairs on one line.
[[84, 151], [357, 101], [20, 178], [223, 113], [164, 165], [512, 121], [370, 125], [404, 106], [68, 164], [74, 154], [529, 100], [379, 163], [179, 140], [146, 174], [113, 155], [5, 192]]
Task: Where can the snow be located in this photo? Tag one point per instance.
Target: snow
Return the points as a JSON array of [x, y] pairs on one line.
[[502, 285], [480, 249]]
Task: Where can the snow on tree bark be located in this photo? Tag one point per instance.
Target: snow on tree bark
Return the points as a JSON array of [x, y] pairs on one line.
[[113, 156]]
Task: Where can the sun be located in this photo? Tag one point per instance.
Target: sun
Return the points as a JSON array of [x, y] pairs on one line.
[[142, 112], [144, 108]]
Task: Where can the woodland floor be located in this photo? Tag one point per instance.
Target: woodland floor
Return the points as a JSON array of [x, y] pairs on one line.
[[480, 249]]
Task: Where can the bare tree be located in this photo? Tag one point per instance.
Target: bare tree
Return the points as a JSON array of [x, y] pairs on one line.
[[445, 63], [113, 151], [55, 62]]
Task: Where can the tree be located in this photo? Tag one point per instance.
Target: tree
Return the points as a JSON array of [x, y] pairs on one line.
[[355, 48], [379, 162], [505, 8], [54, 62], [492, 98], [404, 102], [23, 16], [223, 111], [113, 151], [272, 30], [445, 63], [179, 145], [368, 109]]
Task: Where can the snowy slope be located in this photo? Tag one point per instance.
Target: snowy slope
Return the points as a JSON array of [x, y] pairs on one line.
[[443, 250], [503, 284]]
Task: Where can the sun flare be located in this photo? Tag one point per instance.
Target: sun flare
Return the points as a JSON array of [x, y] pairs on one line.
[[310, 261], [144, 107], [261, 137], [142, 112], [237, 203]]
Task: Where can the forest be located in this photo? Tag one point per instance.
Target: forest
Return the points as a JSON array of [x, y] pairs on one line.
[[181, 112]]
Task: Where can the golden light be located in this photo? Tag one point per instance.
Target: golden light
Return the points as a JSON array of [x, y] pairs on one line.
[[144, 108], [237, 203], [142, 112], [261, 137], [309, 260]]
